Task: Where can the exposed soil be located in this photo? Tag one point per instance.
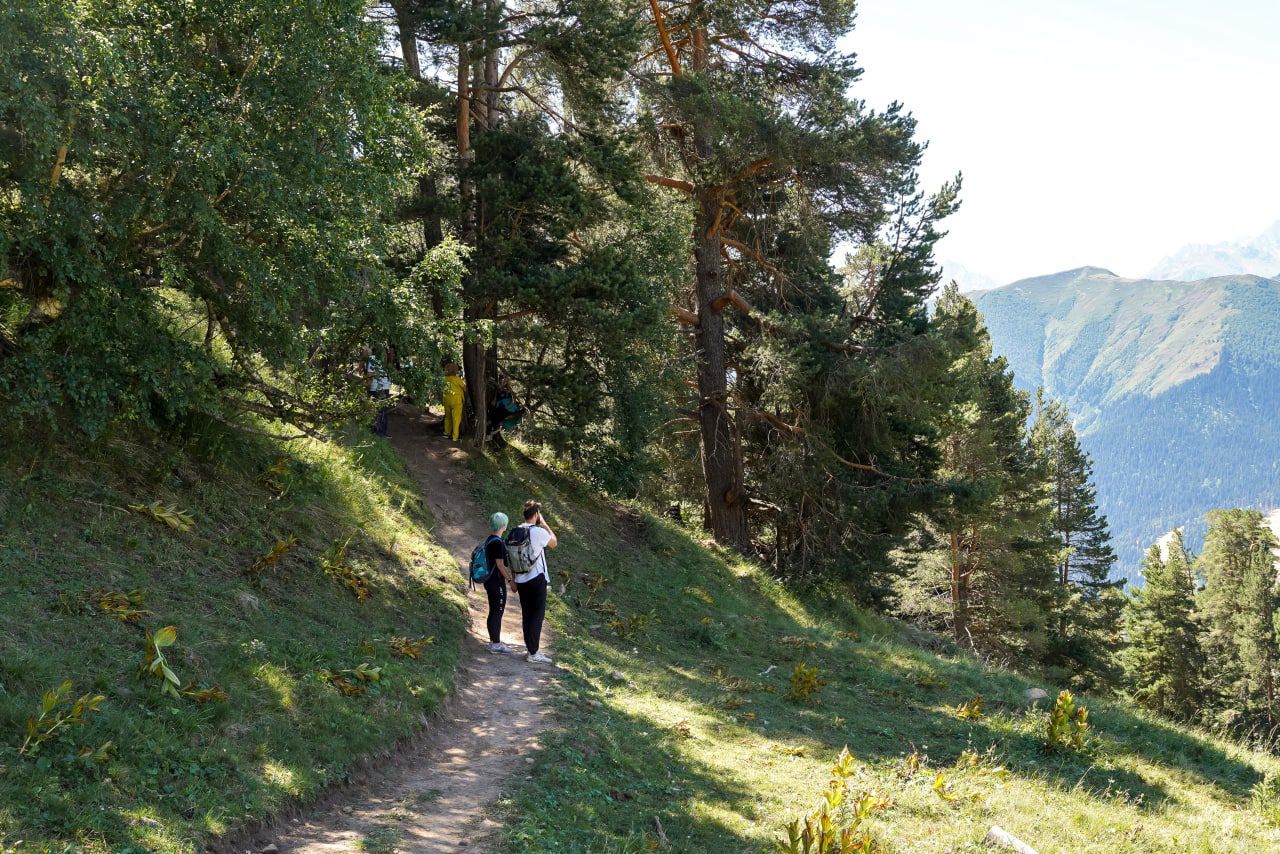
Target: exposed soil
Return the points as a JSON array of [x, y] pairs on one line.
[[438, 794]]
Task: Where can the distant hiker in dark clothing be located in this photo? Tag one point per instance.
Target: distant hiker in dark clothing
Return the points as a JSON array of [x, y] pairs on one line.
[[527, 546], [500, 578], [504, 413], [379, 386]]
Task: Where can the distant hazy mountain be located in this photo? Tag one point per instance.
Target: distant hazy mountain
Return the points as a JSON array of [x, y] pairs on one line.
[[1259, 256], [1175, 385], [967, 279]]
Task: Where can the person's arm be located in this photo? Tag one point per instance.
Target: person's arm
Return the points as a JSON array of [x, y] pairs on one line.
[[552, 542], [506, 573]]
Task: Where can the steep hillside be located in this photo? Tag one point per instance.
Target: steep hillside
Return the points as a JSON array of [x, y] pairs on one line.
[[267, 707], [1174, 385], [678, 732]]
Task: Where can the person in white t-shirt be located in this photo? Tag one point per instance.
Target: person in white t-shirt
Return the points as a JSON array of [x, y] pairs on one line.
[[533, 538]]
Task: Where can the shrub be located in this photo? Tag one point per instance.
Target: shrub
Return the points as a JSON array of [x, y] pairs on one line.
[[972, 710], [57, 712], [154, 661], [1067, 724], [805, 682], [1265, 797], [629, 627], [838, 825]]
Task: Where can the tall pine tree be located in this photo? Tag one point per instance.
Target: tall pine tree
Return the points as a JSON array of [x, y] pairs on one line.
[[748, 117], [987, 571], [1086, 623], [1163, 660], [1233, 610]]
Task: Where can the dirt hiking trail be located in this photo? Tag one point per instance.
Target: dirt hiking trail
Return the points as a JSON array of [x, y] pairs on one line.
[[438, 795]]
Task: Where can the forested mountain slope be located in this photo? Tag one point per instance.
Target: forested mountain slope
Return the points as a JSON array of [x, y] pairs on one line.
[[1174, 385]]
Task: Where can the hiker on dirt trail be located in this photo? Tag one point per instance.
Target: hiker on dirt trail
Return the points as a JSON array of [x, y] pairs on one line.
[[379, 386], [500, 578], [504, 413], [455, 392], [527, 546]]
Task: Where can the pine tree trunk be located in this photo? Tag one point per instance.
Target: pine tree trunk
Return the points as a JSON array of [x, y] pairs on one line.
[[721, 450], [432, 229], [472, 350], [959, 593]]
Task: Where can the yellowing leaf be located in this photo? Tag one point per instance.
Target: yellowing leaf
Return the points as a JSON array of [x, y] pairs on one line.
[[165, 514]]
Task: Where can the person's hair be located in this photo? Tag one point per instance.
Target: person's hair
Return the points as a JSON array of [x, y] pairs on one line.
[[450, 367], [531, 509], [498, 521]]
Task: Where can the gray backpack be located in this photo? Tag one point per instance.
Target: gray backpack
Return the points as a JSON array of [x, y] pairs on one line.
[[520, 552]]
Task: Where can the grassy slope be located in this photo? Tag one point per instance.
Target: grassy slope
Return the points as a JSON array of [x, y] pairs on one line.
[[719, 624], [181, 770]]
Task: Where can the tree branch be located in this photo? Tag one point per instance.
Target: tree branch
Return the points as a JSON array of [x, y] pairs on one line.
[[658, 22], [684, 316], [673, 183]]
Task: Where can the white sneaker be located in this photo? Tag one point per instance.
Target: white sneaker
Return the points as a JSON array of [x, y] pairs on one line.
[[499, 649], [537, 658]]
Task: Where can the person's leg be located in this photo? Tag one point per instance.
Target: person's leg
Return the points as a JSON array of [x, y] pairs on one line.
[[380, 419], [453, 419], [497, 593], [533, 609]]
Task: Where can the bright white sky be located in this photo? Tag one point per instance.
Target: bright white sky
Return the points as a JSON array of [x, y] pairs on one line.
[[1105, 132]]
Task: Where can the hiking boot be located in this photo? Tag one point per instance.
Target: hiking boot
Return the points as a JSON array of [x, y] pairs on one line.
[[499, 649], [537, 658]]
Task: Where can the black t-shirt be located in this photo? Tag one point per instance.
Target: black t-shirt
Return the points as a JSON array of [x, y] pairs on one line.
[[495, 550]]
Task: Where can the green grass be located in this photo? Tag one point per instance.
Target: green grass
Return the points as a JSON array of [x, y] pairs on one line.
[[180, 770], [686, 724]]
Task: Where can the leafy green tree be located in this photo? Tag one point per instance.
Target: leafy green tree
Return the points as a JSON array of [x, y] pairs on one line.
[[1163, 660], [987, 567], [746, 112], [1234, 610], [539, 156], [1086, 623], [195, 211], [1256, 635]]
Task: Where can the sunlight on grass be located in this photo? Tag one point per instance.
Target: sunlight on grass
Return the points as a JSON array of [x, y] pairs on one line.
[[685, 723], [190, 768]]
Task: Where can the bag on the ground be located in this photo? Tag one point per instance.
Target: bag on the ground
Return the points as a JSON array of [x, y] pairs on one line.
[[520, 555], [480, 569]]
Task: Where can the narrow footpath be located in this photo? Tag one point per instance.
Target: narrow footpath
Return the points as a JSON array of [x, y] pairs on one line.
[[439, 795]]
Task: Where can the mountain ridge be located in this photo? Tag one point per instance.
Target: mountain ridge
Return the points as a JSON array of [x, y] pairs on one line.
[[1167, 380], [1259, 255]]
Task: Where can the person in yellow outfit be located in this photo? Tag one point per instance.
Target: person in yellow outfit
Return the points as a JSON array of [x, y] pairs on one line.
[[454, 393]]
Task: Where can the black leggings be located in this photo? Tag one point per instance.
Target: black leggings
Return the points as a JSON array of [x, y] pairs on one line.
[[533, 609], [495, 587]]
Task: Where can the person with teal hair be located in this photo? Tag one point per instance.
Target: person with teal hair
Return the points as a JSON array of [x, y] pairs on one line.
[[496, 585]]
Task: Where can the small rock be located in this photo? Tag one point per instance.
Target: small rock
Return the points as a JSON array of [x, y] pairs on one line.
[[347, 810], [146, 820], [1034, 695], [271, 849], [248, 601], [998, 837], [618, 676]]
